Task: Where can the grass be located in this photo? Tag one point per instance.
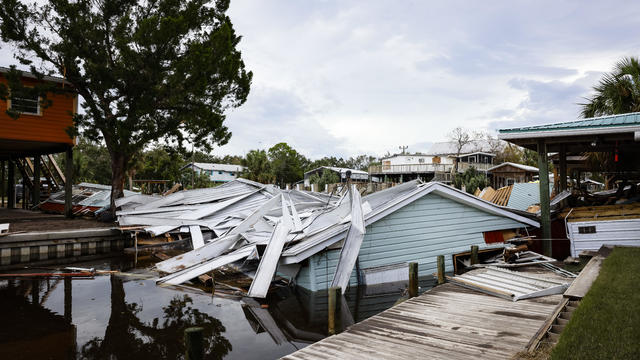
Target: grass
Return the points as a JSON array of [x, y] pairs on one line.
[[606, 324]]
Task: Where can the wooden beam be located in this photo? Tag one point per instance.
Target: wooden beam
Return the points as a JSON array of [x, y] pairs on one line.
[[562, 173], [11, 184], [2, 173], [545, 213], [68, 188], [35, 192]]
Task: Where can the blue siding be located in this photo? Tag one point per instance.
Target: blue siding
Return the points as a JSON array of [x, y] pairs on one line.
[[419, 232]]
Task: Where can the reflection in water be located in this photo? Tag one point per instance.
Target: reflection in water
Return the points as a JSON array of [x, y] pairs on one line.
[[128, 337], [114, 317]]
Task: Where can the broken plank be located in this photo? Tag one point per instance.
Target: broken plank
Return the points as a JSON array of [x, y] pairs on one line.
[[194, 271], [197, 241], [353, 241]]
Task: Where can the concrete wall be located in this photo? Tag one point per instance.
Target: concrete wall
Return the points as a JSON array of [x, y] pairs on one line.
[[40, 248]]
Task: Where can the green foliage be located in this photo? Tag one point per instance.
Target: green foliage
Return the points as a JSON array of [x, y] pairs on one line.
[[146, 70], [617, 92], [471, 179], [91, 162], [605, 325], [193, 180], [360, 162], [287, 165], [161, 163], [327, 177], [257, 167]]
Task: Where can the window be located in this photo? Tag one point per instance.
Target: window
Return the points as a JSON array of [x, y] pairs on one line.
[[421, 160], [219, 172], [26, 104], [586, 229]]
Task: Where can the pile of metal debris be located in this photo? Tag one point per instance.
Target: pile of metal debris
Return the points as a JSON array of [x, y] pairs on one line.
[[257, 226], [87, 199]]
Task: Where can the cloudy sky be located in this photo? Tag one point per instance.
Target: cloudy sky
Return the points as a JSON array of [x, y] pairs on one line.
[[340, 78]]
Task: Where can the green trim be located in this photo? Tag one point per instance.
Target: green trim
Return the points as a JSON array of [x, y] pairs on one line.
[[621, 120]]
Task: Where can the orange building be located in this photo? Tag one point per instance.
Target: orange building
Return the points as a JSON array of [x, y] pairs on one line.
[[37, 132]]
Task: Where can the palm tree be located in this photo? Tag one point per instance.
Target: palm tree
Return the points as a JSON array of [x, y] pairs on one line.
[[618, 92]]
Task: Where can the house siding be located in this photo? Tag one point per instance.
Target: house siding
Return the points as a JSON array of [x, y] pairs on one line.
[[419, 232], [50, 126]]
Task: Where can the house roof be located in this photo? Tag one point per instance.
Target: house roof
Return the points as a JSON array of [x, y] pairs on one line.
[[603, 124], [27, 74], [385, 202], [451, 148], [216, 167], [519, 166], [410, 155], [479, 153]]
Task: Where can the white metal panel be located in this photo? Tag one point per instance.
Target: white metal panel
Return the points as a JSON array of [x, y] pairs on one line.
[[608, 232]]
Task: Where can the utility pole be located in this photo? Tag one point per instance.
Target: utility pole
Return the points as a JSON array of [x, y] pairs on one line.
[[403, 148]]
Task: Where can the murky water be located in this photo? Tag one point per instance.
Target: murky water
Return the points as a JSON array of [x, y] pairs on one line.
[[127, 317]]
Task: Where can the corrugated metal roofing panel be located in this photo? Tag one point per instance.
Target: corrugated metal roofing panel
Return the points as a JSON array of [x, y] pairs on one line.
[[524, 195], [509, 284]]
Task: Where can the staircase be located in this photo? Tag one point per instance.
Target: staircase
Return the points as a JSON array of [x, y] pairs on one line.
[[49, 170], [553, 334]]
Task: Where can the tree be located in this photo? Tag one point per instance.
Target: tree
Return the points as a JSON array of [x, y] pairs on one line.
[[617, 92], [146, 70], [257, 167], [287, 165], [460, 138], [471, 179], [328, 177]]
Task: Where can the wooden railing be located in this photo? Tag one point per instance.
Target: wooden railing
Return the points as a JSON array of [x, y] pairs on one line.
[[424, 168]]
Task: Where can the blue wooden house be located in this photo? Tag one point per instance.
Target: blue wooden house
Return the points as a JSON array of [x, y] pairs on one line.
[[413, 222]]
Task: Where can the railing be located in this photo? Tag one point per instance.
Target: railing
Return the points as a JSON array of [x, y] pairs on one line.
[[424, 168]]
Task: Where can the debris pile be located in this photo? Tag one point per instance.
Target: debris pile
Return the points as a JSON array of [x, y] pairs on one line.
[[87, 199], [245, 222]]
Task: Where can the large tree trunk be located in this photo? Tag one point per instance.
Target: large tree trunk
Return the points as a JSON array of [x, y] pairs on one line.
[[118, 172]]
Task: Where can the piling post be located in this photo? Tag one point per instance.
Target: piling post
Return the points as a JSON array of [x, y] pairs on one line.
[[335, 294], [193, 343], [413, 279], [440, 269], [474, 254]]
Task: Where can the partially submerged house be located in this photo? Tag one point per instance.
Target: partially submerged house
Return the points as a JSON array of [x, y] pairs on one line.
[[509, 173], [217, 173], [415, 225], [319, 239]]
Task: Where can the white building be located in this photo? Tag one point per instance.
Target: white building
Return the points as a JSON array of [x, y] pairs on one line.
[[216, 172], [356, 175]]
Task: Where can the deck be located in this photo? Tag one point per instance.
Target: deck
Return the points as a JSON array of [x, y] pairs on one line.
[[447, 322]]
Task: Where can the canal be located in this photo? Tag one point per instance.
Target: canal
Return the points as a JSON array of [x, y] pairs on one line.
[[126, 316]]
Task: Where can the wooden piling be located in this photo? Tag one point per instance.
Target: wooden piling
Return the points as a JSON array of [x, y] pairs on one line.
[[440, 269], [474, 254], [193, 343], [413, 279], [335, 294]]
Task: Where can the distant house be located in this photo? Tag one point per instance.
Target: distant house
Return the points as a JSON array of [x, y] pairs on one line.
[[436, 165], [356, 175], [509, 173], [218, 173]]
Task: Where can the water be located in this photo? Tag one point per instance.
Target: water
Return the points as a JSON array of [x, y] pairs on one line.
[[125, 317]]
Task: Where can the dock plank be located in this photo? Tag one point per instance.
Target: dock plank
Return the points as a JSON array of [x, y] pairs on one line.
[[447, 322]]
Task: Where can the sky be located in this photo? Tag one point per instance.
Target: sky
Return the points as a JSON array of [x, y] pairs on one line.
[[342, 78]]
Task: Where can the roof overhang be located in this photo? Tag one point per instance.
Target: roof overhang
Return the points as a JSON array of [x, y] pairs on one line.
[[602, 139]]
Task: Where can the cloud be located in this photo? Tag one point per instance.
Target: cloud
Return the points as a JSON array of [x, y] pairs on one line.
[[347, 77]]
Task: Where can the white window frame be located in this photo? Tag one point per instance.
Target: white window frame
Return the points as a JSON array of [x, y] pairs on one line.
[[39, 113]]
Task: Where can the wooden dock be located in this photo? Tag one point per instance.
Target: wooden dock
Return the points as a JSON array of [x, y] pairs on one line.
[[447, 322]]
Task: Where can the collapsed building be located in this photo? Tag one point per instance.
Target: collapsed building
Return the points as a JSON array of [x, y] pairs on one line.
[[319, 240]]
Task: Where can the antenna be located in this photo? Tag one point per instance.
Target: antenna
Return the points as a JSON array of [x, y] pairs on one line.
[[403, 148]]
